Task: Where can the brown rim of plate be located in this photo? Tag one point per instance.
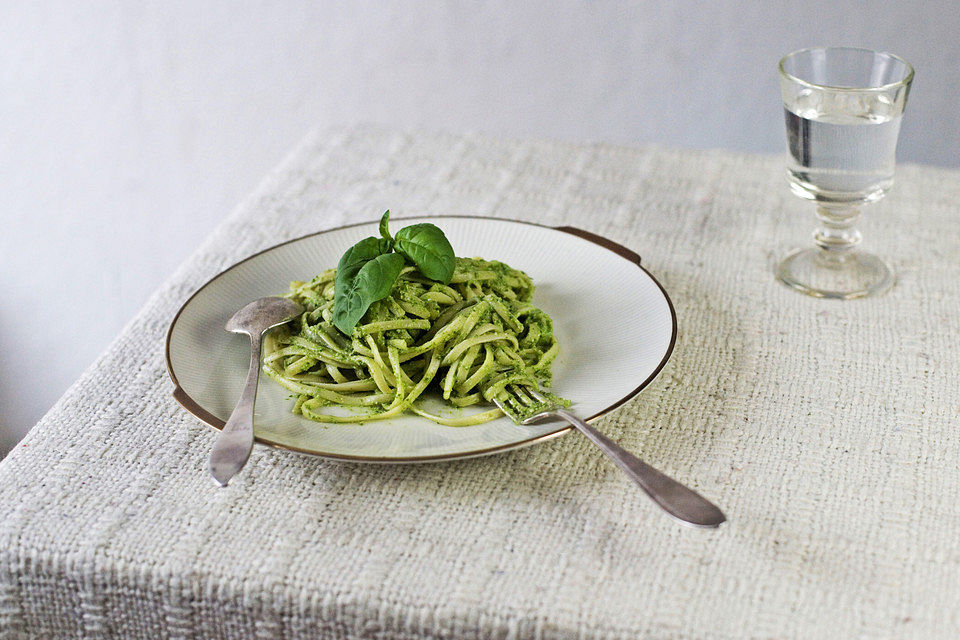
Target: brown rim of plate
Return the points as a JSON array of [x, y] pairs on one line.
[[194, 408]]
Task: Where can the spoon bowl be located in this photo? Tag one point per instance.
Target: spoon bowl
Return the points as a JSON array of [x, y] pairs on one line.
[[263, 314]]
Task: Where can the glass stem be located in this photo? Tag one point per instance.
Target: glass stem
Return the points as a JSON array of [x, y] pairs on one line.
[[836, 235]]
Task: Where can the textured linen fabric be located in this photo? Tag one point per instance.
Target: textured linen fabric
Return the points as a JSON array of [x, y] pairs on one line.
[[827, 431]]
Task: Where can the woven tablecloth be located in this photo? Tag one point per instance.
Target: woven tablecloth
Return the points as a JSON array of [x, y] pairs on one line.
[[827, 431]]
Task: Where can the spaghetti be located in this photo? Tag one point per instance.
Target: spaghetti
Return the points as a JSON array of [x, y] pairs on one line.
[[468, 339]]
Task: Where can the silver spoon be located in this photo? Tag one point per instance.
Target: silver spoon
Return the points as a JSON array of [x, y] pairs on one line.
[[234, 444]]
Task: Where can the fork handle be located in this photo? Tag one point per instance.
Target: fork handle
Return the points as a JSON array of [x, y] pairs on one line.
[[682, 503]]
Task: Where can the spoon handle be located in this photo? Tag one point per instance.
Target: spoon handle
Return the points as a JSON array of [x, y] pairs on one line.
[[234, 444]]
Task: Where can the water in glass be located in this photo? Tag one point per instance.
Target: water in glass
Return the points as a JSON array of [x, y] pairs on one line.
[[841, 148]]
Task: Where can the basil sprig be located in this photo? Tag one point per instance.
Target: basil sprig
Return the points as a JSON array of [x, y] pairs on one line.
[[368, 270]]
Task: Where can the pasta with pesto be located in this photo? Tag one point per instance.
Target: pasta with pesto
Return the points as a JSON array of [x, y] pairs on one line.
[[466, 340]]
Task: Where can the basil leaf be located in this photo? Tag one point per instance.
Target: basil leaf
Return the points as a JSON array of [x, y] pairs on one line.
[[378, 276], [344, 304], [358, 254], [384, 225], [426, 246], [372, 282]]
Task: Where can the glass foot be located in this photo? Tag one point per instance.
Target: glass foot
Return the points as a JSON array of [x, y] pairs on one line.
[[850, 275]]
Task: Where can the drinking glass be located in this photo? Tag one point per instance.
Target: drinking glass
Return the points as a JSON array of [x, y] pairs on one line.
[[842, 108]]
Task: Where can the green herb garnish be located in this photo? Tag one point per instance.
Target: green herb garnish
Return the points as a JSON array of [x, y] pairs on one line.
[[368, 270]]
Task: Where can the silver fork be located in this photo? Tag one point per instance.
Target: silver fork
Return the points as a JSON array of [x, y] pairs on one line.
[[684, 504]]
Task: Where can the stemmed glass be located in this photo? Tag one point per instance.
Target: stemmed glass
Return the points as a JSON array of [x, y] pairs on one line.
[[843, 108]]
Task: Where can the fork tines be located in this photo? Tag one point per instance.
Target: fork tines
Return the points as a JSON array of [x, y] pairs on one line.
[[520, 402]]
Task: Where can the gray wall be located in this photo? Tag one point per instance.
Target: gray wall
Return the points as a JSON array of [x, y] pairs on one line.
[[131, 128]]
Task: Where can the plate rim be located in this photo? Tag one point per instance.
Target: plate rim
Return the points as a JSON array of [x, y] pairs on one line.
[[196, 410]]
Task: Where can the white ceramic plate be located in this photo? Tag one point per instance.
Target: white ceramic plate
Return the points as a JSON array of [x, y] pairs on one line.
[[615, 324]]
